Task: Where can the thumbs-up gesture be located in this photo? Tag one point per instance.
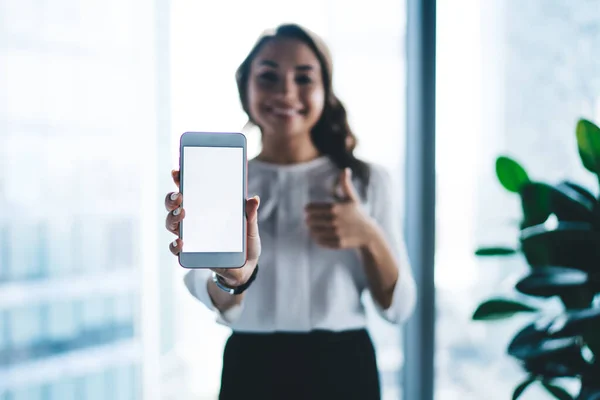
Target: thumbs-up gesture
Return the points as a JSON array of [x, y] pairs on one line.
[[343, 224]]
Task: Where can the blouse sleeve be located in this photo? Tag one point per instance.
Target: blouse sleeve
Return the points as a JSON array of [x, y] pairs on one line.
[[196, 282], [385, 211]]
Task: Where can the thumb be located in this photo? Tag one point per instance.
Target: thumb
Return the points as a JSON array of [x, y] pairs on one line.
[[253, 252], [175, 175], [252, 205], [348, 189]]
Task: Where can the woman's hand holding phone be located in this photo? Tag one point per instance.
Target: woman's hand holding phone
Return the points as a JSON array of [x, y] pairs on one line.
[[232, 276]]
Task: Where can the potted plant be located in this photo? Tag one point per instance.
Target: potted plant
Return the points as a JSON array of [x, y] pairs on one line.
[[559, 238]]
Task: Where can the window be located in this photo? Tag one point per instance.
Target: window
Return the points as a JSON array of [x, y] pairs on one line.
[[25, 326], [95, 387], [78, 123], [29, 393], [63, 390], [62, 323], [3, 335], [512, 78]]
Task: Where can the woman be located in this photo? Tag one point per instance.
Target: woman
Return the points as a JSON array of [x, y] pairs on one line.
[[328, 228]]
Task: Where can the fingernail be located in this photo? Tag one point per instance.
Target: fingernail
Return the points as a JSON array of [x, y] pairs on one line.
[[174, 196], [258, 200], [174, 243], [177, 211], [349, 172]]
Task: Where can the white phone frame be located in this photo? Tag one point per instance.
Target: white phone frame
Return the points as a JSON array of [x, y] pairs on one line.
[[206, 259]]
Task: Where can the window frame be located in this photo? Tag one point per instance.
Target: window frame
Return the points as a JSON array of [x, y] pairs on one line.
[[417, 380]]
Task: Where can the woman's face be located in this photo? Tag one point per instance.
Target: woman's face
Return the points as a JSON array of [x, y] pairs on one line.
[[286, 94]]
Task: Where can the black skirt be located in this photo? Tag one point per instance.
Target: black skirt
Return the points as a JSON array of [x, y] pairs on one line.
[[289, 366]]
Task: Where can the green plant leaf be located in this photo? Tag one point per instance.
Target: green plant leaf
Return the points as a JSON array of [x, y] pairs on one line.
[[557, 391], [495, 251], [588, 142], [521, 388], [495, 309], [536, 203], [511, 174]]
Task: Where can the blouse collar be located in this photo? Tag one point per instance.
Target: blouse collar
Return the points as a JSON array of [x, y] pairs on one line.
[[291, 168]]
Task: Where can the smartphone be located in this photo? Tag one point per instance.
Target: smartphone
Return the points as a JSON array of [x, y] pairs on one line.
[[213, 184]]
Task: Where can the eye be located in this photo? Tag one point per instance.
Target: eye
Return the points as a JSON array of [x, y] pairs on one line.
[[268, 76], [304, 80]]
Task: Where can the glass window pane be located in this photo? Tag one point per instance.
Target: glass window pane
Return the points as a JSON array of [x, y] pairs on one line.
[[28, 393], [89, 232], [63, 390], [94, 387], [62, 321], [124, 379], [3, 331], [120, 245], [94, 313], [78, 89], [4, 248], [123, 313], [28, 250], [25, 325], [60, 252], [513, 78]]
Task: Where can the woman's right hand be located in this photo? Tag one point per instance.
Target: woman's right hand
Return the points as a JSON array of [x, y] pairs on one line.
[[232, 276]]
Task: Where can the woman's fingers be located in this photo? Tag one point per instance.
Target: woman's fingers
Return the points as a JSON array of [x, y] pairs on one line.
[[334, 243], [320, 210], [318, 222], [176, 214], [173, 220], [175, 176], [175, 246], [323, 231], [173, 200]]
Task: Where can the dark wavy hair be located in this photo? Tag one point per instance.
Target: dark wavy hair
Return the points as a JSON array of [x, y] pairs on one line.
[[331, 135]]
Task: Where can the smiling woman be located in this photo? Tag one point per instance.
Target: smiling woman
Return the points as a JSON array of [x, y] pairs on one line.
[[284, 99], [205, 97], [295, 95], [272, 86], [326, 238]]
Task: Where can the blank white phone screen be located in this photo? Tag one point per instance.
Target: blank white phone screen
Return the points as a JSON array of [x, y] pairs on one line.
[[213, 199]]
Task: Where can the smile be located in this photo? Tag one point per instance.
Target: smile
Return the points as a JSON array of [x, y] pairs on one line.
[[285, 112]]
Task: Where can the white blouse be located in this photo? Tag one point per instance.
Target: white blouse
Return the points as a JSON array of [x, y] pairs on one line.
[[301, 286]]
